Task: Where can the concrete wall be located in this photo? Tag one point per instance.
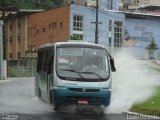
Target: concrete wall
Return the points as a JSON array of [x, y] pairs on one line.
[[142, 31], [16, 37], [48, 27], [108, 4]]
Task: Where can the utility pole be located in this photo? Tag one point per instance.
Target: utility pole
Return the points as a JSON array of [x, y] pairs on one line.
[[1, 51], [96, 23], [111, 4], [96, 32]]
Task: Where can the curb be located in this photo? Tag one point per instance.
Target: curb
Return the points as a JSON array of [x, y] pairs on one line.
[[2, 81], [153, 64]]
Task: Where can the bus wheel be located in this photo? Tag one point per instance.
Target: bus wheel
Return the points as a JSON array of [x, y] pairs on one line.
[[56, 107], [39, 94], [50, 97]]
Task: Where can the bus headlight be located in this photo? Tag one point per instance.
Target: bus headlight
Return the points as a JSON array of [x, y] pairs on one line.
[[62, 88], [106, 89]]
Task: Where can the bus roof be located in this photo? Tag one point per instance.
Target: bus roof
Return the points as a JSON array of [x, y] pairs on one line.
[[73, 44]]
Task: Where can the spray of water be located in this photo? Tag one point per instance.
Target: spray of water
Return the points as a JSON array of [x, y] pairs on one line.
[[133, 82]]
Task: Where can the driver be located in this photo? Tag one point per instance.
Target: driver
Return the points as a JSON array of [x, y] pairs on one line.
[[90, 66]]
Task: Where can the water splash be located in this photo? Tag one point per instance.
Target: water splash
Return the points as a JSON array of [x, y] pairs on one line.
[[133, 82]]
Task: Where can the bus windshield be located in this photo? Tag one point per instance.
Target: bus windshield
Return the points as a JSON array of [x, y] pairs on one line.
[[82, 64]]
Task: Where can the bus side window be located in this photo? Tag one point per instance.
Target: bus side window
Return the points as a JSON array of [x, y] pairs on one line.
[[50, 68], [39, 61], [49, 61], [43, 63]]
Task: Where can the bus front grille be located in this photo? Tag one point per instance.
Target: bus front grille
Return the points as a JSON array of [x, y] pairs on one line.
[[91, 100], [83, 90]]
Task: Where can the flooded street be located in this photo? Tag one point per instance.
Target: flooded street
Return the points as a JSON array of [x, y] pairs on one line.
[[133, 82]]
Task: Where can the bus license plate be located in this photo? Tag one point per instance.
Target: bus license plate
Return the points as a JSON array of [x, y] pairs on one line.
[[83, 102]]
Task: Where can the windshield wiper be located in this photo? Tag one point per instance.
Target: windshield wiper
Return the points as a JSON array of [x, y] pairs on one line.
[[95, 74], [71, 70]]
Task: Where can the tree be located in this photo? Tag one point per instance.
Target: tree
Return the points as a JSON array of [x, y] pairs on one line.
[[152, 47], [58, 2], [35, 4], [74, 37]]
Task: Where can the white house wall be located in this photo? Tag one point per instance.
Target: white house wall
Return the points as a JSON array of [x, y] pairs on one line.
[[89, 27], [106, 4], [142, 30]]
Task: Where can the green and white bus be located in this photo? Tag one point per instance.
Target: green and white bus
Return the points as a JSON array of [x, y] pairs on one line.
[[74, 73]]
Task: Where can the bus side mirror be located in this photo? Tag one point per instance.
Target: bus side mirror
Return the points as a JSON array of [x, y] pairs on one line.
[[112, 65]]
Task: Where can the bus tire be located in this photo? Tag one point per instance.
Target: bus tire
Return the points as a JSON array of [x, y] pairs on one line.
[[40, 94], [56, 107], [50, 96]]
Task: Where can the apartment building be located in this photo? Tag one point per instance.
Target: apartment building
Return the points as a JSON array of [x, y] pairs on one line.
[[133, 5], [16, 34], [154, 2], [103, 4], [48, 27]]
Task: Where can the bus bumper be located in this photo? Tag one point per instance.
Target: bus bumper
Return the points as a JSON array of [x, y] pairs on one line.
[[64, 96]]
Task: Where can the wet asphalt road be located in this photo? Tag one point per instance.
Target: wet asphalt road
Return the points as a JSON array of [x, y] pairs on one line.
[[61, 117], [18, 102]]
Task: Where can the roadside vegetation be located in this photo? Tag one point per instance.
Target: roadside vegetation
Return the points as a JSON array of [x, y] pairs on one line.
[[34, 4], [150, 106]]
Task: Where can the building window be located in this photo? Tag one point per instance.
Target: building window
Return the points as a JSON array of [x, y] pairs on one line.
[[118, 33], [137, 1], [61, 24], [110, 33], [34, 31], [50, 26], [37, 31], [78, 26], [29, 32], [10, 56], [110, 25], [110, 41], [78, 23], [19, 25], [10, 27], [10, 38], [29, 47], [18, 55], [54, 25], [44, 30], [18, 37]]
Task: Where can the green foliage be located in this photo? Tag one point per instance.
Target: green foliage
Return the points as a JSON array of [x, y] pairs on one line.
[[47, 4], [35, 4], [152, 45], [150, 106], [74, 37], [58, 2], [12, 73]]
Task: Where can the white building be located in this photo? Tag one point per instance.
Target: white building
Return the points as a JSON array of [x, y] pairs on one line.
[[103, 4]]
